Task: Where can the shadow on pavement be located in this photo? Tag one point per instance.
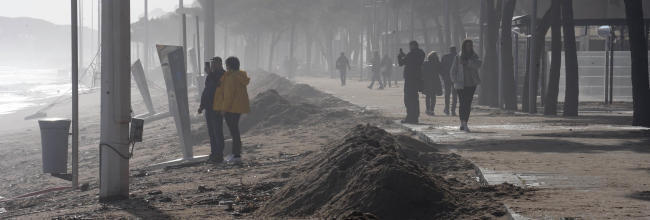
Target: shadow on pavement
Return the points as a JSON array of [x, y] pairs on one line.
[[550, 146], [621, 134], [643, 195]]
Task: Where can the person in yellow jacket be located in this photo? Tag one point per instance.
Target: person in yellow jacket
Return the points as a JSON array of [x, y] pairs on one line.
[[231, 101]]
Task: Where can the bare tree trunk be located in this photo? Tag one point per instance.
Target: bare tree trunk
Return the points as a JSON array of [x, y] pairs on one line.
[[442, 43], [309, 42], [275, 37], [542, 28], [292, 43], [425, 33], [550, 106], [481, 36], [329, 52], [509, 89], [533, 75], [447, 21], [489, 73], [459, 28], [570, 60], [639, 54]]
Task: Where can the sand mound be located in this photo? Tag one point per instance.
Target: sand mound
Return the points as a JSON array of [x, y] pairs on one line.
[[269, 109], [364, 172], [297, 92]]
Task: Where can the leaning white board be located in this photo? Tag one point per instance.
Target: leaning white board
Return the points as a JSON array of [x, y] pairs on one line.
[[173, 67], [141, 81]]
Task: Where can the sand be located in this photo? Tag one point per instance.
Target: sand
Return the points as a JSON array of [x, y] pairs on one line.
[[275, 149]]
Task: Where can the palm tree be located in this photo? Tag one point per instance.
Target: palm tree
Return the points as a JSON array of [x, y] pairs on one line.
[[639, 56], [550, 106], [570, 60], [507, 81]]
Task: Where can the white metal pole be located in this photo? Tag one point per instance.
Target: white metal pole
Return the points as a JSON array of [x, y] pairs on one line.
[[184, 30], [198, 47], [80, 29], [115, 100], [145, 61], [208, 29], [75, 95]]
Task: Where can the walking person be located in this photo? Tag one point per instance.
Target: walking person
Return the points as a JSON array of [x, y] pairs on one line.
[[231, 100], [464, 74], [387, 70], [446, 62], [376, 74], [431, 86], [215, 71], [343, 65], [412, 63]]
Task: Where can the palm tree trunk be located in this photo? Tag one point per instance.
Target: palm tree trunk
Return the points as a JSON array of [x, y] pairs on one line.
[[639, 55], [489, 73], [550, 107], [509, 89], [570, 60]]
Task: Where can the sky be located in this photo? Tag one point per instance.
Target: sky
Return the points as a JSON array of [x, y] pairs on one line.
[[58, 11]]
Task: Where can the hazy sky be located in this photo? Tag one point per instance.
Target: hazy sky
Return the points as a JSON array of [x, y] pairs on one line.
[[58, 11]]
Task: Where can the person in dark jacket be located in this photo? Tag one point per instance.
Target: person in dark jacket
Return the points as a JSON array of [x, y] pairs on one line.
[[343, 65], [412, 63], [376, 71], [464, 74], [215, 71], [446, 62], [387, 70], [431, 81]]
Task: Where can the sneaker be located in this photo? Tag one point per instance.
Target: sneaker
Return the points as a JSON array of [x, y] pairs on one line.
[[233, 159]]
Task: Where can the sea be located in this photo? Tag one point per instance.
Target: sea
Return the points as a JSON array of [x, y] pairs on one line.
[[22, 88]]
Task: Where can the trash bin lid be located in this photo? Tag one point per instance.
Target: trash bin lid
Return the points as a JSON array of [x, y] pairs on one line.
[[57, 123]]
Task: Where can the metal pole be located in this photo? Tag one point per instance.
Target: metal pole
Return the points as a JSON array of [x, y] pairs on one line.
[[611, 69], [80, 30], [146, 38], [412, 20], [198, 47], [532, 88], [208, 29], [606, 76], [516, 56], [115, 100], [374, 25], [75, 96], [184, 30]]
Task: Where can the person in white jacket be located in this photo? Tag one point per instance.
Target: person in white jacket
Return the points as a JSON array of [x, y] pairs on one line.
[[464, 75]]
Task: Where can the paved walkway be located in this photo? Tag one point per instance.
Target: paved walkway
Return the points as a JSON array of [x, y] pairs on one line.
[[594, 166]]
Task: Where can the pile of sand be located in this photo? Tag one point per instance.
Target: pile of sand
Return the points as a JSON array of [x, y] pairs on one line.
[[363, 172], [269, 109], [297, 92]]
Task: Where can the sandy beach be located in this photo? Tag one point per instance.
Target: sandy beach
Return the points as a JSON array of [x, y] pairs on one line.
[[299, 125]]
